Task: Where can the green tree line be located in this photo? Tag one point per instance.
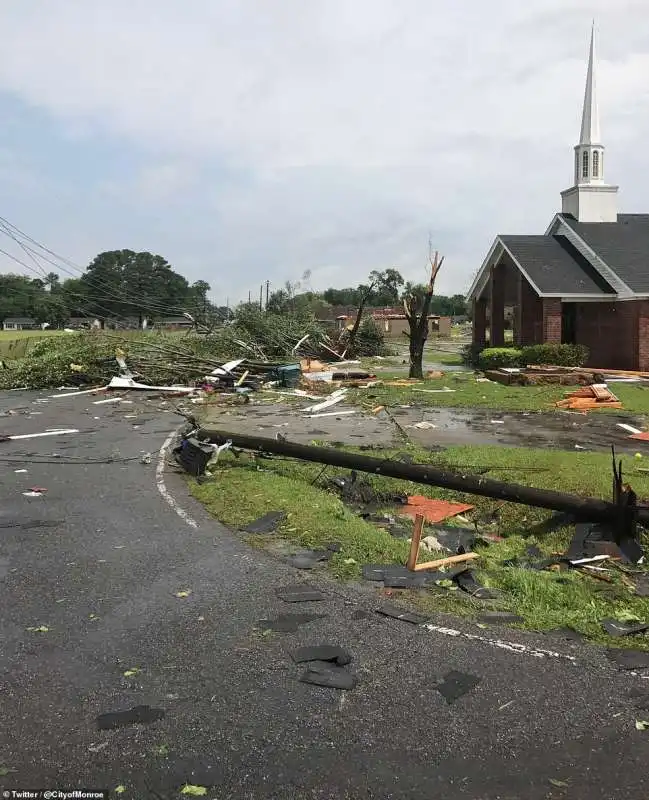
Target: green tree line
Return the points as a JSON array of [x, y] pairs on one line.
[[123, 285], [117, 285], [383, 289]]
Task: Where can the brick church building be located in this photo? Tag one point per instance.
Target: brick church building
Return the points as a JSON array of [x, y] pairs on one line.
[[586, 279]]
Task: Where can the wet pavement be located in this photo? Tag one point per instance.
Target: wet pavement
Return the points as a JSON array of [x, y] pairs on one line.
[[111, 600], [561, 430]]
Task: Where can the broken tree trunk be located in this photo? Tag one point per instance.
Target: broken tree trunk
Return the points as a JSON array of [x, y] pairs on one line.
[[359, 317], [583, 508], [418, 321]]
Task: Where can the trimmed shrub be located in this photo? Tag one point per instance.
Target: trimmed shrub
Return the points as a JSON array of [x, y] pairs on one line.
[[560, 355], [496, 357]]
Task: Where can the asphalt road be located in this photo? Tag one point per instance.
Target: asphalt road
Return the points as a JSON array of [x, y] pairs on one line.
[[98, 560]]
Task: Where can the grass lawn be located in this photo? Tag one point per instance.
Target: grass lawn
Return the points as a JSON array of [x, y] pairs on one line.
[[238, 492], [469, 393], [28, 334], [15, 344]]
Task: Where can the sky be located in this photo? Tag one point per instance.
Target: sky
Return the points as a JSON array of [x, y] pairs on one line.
[[248, 140]]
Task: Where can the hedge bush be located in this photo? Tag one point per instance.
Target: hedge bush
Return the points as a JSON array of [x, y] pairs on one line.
[[560, 355], [496, 357]]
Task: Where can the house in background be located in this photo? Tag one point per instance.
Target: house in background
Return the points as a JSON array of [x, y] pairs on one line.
[[393, 322], [586, 279], [20, 324], [174, 324]]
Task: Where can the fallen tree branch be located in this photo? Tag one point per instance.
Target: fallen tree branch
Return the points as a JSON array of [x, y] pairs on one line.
[[584, 508]]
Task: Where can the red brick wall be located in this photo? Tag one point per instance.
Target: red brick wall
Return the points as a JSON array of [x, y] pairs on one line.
[[643, 335], [552, 320], [610, 332]]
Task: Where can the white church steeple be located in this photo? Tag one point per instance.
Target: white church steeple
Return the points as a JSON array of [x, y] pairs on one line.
[[590, 199]]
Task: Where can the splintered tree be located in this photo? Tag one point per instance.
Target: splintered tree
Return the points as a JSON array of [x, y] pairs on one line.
[[417, 310], [365, 296]]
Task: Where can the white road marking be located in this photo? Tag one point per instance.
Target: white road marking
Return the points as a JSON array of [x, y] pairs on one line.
[[513, 647], [162, 487]]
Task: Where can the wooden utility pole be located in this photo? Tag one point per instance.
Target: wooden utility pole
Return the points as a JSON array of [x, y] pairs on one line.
[[590, 509], [261, 297], [418, 321], [267, 292]]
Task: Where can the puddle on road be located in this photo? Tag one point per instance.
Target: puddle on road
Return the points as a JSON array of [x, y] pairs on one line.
[[556, 430]]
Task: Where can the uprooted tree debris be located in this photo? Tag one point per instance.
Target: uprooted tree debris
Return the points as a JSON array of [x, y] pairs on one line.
[[88, 358]]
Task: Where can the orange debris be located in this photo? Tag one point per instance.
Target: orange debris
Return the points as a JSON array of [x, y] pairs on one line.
[[433, 510], [590, 397]]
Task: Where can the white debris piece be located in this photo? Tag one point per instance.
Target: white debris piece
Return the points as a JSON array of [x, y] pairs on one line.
[[128, 383], [327, 377], [124, 367], [108, 400], [435, 391], [332, 414], [334, 397], [592, 560], [220, 448], [78, 394], [302, 340], [226, 369], [423, 425], [47, 433], [628, 428]]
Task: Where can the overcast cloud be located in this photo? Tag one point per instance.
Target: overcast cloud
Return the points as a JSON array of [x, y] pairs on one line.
[[247, 140]]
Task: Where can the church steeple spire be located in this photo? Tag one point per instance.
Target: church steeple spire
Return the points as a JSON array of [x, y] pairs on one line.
[[590, 115], [590, 199]]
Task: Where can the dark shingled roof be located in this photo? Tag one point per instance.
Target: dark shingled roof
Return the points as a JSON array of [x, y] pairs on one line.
[[622, 245], [554, 266]]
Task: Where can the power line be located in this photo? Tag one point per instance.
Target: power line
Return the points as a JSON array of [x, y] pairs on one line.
[[31, 269], [142, 303], [110, 292]]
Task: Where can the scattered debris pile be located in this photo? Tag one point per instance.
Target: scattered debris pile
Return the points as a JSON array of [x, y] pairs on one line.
[[156, 359], [595, 396], [565, 376], [605, 546]]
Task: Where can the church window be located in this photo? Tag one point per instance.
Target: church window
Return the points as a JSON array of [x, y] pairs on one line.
[[584, 164], [595, 164]]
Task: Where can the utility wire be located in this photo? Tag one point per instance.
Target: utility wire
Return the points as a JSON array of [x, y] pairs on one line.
[[31, 269], [140, 302], [88, 309]]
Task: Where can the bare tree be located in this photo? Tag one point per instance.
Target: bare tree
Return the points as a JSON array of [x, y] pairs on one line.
[[418, 317], [367, 293]]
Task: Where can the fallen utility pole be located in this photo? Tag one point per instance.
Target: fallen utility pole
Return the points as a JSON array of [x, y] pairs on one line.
[[584, 508]]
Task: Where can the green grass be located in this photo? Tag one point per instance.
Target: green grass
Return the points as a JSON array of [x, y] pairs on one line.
[[443, 357], [470, 393], [238, 493], [39, 334], [16, 344]]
